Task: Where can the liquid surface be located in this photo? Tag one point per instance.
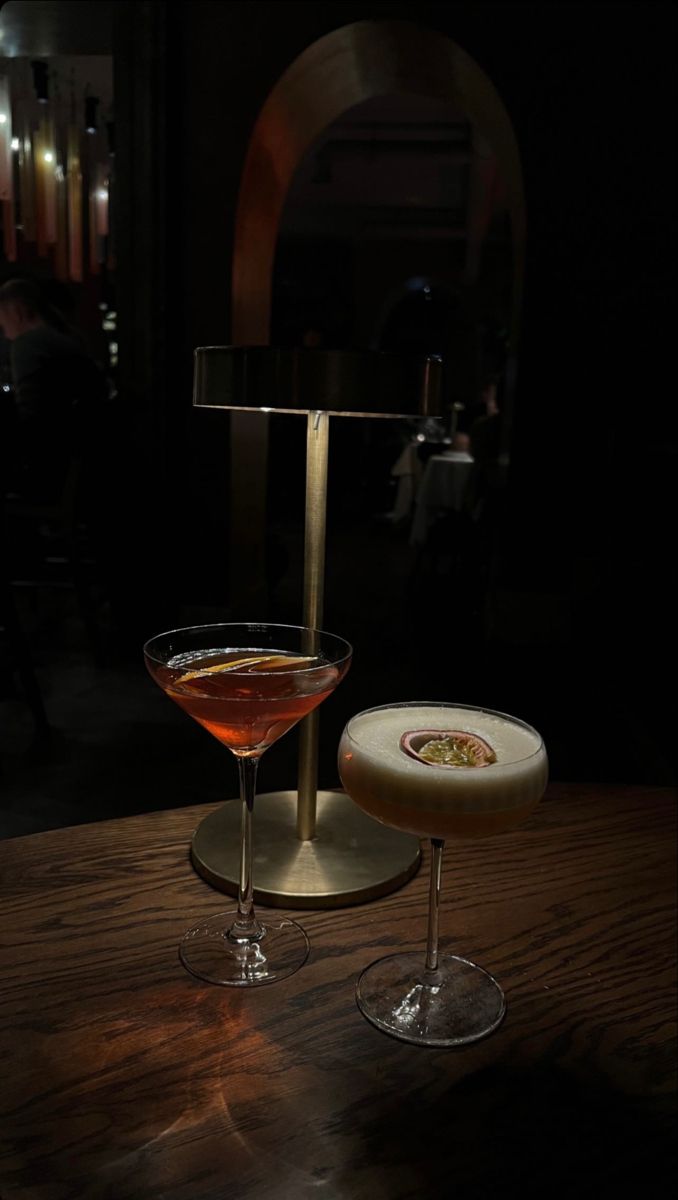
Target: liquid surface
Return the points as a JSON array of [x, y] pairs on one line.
[[433, 800], [247, 698]]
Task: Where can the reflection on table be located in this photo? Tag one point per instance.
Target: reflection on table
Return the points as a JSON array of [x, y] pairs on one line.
[[124, 1077]]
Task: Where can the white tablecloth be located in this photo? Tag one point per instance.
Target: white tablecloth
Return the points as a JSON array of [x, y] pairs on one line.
[[407, 470], [441, 490]]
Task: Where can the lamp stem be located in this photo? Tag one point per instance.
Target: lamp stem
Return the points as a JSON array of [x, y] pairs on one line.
[[317, 444]]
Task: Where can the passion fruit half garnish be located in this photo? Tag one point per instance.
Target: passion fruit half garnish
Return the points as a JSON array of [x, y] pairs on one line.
[[447, 748]]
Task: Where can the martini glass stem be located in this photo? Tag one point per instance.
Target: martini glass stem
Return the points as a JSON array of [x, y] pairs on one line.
[[246, 927], [431, 965]]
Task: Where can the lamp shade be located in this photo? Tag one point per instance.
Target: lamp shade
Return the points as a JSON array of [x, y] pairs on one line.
[[344, 383]]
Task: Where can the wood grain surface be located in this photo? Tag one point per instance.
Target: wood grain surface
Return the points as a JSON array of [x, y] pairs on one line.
[[123, 1078]]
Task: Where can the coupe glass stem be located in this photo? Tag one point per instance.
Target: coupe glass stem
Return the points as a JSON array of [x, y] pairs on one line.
[[246, 926], [431, 966]]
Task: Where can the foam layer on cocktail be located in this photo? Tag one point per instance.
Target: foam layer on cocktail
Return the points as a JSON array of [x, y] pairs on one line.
[[441, 801]]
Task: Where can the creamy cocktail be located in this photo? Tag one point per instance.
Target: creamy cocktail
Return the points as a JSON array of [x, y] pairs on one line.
[[386, 768], [439, 771]]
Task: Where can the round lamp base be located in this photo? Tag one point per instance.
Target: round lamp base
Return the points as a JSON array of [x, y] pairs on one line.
[[352, 859]]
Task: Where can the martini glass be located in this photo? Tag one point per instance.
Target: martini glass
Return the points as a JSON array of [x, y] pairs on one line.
[[438, 771], [247, 684]]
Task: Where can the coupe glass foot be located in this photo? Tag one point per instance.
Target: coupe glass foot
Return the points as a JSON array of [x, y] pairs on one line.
[[457, 1004]]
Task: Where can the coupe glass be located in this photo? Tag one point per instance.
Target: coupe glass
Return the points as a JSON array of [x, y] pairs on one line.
[[439, 771], [247, 684]]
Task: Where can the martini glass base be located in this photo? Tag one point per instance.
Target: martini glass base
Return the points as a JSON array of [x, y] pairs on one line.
[[207, 952], [351, 860], [461, 1004]]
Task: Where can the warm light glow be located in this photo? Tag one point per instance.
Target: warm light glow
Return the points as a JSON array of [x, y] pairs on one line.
[[48, 156], [102, 194], [16, 144]]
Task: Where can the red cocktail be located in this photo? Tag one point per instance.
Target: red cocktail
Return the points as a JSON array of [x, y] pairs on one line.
[[247, 699], [247, 685]]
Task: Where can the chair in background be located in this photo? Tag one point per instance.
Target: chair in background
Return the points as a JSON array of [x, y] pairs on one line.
[[49, 544], [16, 661]]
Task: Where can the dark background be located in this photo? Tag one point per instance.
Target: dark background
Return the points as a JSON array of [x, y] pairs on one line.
[[589, 91], [579, 635]]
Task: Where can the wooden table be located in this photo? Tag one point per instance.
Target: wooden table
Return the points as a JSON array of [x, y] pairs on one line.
[[123, 1078]]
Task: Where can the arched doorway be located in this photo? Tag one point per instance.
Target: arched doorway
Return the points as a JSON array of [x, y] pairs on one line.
[[341, 70]]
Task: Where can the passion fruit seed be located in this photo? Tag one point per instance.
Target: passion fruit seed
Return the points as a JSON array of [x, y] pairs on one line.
[[447, 748]]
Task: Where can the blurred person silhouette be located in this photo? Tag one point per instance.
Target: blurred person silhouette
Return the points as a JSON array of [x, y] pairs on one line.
[[59, 394], [484, 500], [486, 427], [461, 446], [485, 448]]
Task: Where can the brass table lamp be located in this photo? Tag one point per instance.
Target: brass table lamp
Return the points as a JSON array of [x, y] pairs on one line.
[[314, 849]]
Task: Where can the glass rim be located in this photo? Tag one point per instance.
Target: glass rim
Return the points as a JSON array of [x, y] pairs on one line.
[[187, 629], [477, 708]]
